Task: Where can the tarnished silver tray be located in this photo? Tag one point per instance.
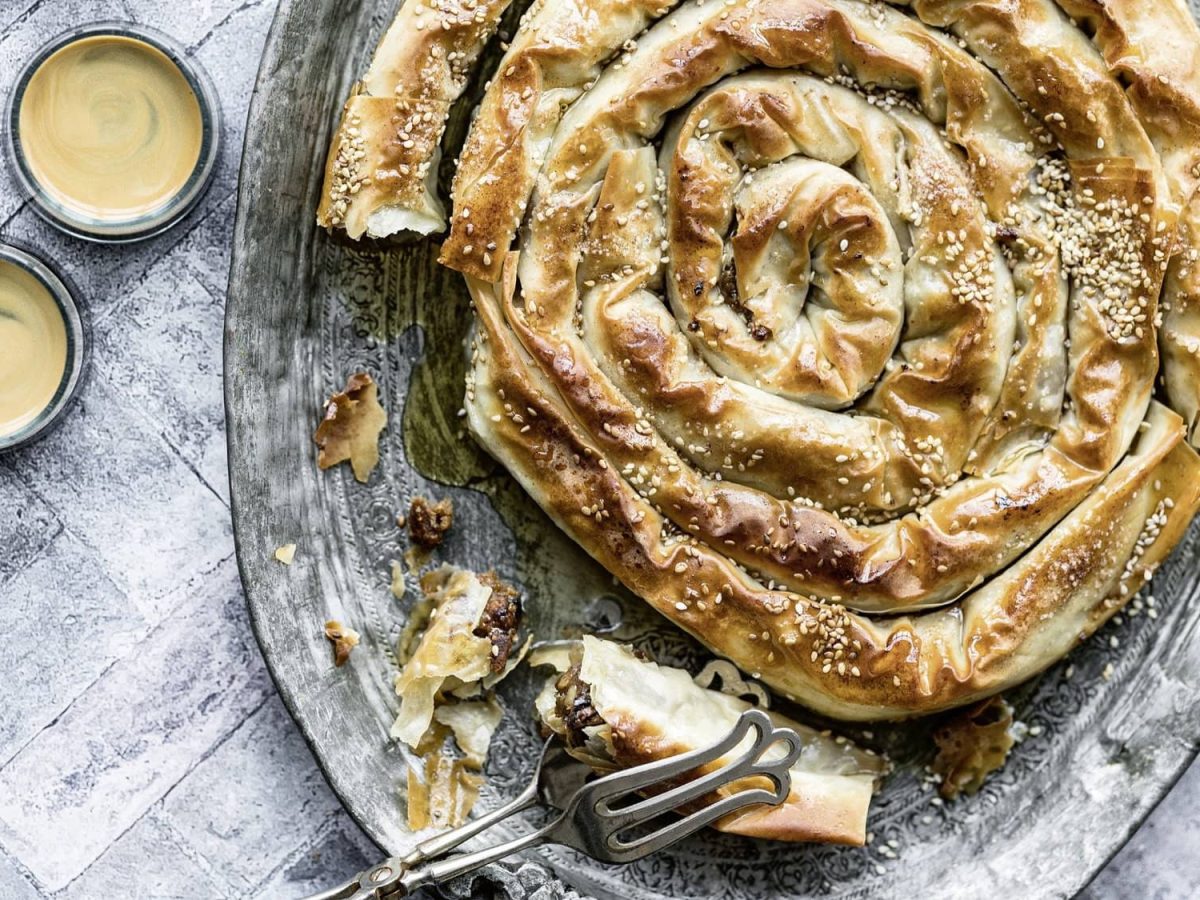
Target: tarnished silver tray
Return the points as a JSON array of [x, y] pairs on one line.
[[305, 311]]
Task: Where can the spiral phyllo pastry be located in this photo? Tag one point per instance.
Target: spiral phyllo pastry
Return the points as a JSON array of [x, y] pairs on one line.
[[860, 339]]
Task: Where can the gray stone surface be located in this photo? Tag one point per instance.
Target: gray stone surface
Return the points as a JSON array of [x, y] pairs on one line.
[[143, 750]]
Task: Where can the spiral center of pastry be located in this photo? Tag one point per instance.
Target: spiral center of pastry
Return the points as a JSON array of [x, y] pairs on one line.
[[805, 297]]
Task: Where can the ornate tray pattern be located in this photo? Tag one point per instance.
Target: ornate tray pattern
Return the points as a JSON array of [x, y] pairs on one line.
[[305, 311]]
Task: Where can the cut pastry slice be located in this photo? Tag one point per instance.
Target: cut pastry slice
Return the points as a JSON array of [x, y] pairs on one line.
[[381, 172], [466, 646], [615, 710]]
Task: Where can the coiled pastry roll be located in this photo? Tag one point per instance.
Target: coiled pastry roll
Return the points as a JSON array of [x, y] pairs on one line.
[[861, 339]]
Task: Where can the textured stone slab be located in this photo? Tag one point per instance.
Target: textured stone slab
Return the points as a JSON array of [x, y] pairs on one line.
[[147, 859], [150, 521], [1162, 860], [133, 736], [190, 21], [65, 622], [231, 54], [159, 350], [248, 806], [205, 250], [340, 852], [27, 525], [13, 883], [10, 196]]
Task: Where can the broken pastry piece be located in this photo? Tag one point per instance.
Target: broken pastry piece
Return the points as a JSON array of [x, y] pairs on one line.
[[443, 789], [382, 167], [973, 745], [343, 638], [472, 722], [462, 642], [428, 522], [616, 711], [351, 426]]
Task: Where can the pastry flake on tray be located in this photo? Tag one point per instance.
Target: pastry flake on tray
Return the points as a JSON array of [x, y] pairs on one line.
[[614, 710], [972, 744], [459, 645], [343, 638], [350, 428]]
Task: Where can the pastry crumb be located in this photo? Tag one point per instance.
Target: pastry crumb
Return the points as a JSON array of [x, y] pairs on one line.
[[398, 585], [972, 745], [351, 426], [343, 638], [429, 522], [500, 621], [286, 553]]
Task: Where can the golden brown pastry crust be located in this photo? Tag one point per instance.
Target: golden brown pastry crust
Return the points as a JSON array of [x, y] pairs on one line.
[[1152, 49], [381, 171], [559, 50], [823, 311]]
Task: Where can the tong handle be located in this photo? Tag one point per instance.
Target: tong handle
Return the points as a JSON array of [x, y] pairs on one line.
[[388, 878], [367, 884], [442, 870], [446, 841], [395, 877]]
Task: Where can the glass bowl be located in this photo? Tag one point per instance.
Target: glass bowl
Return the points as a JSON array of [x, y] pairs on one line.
[[156, 220], [77, 349]]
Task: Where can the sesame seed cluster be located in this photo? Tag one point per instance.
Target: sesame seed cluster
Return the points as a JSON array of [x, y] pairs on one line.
[[861, 339]]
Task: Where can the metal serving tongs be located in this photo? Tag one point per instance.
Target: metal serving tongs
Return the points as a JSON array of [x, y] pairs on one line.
[[604, 817]]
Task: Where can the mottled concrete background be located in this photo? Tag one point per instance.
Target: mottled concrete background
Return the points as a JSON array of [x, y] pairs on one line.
[[143, 749]]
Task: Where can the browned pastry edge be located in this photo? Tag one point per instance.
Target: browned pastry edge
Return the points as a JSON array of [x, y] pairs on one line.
[[559, 49], [1009, 630]]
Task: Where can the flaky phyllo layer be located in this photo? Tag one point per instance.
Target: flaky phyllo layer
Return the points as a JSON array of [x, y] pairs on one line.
[[614, 710], [833, 329], [461, 642]]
